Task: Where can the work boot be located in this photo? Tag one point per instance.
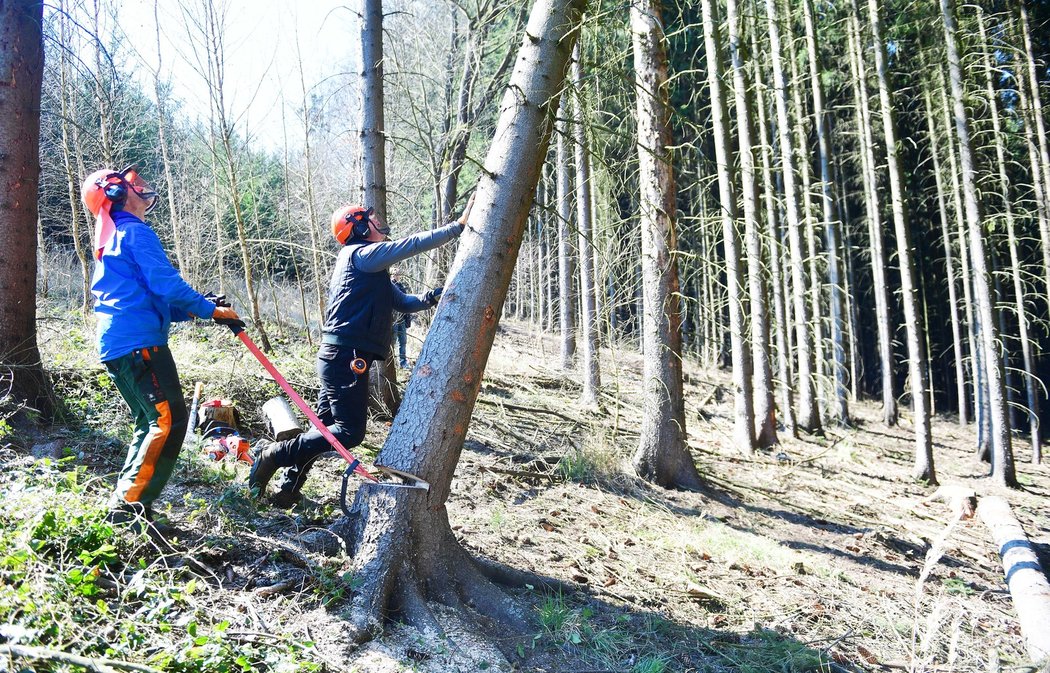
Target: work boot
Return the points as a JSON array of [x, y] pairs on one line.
[[289, 491], [263, 467]]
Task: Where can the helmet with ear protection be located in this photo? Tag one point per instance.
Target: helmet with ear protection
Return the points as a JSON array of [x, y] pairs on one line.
[[350, 222]]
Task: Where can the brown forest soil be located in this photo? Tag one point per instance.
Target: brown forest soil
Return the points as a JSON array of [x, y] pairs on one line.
[[819, 554]]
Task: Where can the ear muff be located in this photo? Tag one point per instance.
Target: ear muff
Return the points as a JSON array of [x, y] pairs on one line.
[[359, 219], [116, 191]]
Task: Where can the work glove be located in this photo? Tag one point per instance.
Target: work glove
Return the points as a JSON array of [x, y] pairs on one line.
[[224, 315], [461, 222], [217, 299], [432, 298]]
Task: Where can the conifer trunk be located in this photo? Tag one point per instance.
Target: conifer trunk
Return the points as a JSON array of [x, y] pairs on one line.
[[662, 455], [1002, 453], [589, 361], [914, 321], [808, 411], [743, 416]]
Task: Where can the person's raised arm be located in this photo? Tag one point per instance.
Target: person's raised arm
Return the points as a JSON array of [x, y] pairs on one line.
[[378, 256]]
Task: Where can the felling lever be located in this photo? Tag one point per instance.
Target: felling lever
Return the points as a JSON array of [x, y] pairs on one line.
[[407, 480]]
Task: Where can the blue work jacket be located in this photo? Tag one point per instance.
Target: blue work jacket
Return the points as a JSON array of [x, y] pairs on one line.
[[138, 293]]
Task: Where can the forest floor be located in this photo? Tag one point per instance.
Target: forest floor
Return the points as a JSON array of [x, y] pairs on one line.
[[821, 554]]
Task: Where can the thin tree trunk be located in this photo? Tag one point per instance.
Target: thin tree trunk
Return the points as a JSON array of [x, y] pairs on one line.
[[949, 259], [68, 151], [808, 411], [780, 321], [585, 226], [762, 371], [972, 340], [1036, 102], [797, 113], [566, 270], [914, 323], [311, 213], [1027, 111], [743, 416], [1002, 453], [874, 217], [383, 379], [662, 455], [169, 177], [830, 225], [1006, 194]]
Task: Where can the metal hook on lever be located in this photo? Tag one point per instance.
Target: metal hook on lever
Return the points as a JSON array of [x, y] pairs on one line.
[[407, 480]]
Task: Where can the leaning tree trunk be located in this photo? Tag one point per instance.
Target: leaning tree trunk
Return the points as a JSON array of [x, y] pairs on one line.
[[744, 413], [1005, 193], [1002, 452], [585, 224], [762, 370], [662, 455], [384, 396], [832, 227], [914, 322], [808, 412], [21, 71], [404, 550]]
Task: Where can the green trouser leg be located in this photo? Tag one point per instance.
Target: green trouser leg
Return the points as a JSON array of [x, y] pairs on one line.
[[149, 383]]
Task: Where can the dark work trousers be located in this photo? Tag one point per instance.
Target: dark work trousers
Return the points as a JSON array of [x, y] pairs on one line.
[[149, 383], [342, 405], [401, 337]]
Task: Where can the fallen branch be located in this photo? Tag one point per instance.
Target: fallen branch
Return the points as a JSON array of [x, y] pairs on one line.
[[521, 407], [98, 664], [1024, 576]]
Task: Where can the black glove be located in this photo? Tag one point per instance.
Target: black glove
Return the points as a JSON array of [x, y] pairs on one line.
[[217, 299], [433, 297]]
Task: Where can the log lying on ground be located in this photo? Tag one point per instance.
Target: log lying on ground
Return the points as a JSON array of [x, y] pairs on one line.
[[1024, 576]]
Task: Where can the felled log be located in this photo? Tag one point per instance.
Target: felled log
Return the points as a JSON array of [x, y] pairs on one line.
[[1024, 575], [281, 420]]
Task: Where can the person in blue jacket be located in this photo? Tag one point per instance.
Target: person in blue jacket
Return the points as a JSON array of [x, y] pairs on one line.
[[356, 333], [138, 294]]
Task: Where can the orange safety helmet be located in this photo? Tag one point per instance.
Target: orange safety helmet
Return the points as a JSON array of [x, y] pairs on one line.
[[350, 222], [99, 192]]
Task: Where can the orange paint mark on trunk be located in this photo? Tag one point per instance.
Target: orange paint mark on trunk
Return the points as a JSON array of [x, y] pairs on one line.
[[458, 396]]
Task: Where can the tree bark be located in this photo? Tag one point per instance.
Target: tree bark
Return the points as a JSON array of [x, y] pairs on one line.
[[780, 319], [662, 455], [384, 396], [808, 412], [762, 371], [566, 266], [914, 322], [403, 548], [1024, 575], [744, 414], [69, 149], [1037, 104], [589, 360], [21, 74], [1002, 452], [949, 258], [1006, 195], [831, 226], [874, 218]]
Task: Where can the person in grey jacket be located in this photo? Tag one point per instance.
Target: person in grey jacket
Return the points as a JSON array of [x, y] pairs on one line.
[[357, 326]]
